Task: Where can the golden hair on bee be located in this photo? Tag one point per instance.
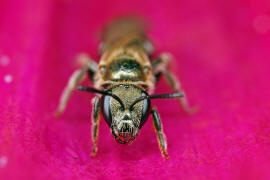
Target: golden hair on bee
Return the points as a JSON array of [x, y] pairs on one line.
[[124, 80]]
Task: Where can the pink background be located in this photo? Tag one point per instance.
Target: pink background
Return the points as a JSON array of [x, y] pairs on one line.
[[222, 58]]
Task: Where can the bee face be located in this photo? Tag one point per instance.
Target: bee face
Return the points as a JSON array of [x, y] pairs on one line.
[[125, 122]]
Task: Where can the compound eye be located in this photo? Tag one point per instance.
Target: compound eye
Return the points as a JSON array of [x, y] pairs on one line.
[[106, 108], [145, 111]]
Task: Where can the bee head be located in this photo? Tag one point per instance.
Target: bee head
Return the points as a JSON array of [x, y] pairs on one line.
[[125, 118], [126, 108]]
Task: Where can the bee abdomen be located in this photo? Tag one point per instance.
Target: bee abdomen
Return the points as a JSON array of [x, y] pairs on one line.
[[124, 32]]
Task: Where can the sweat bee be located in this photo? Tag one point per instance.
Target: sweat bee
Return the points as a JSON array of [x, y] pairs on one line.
[[124, 80]]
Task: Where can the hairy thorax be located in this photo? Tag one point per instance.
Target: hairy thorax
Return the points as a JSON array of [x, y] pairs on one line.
[[125, 64]]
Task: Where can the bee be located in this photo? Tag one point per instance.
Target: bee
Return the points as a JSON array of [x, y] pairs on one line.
[[124, 81]]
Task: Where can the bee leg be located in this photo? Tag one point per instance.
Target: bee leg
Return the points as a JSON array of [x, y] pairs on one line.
[[85, 61], [77, 77], [160, 135], [95, 123], [160, 66], [148, 47]]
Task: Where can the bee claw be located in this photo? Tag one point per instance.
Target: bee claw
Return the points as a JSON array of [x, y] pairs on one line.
[[166, 155], [94, 151], [57, 114]]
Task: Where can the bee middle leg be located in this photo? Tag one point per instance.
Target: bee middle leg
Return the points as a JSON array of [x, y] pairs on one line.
[[78, 76], [160, 135], [160, 67], [95, 123]]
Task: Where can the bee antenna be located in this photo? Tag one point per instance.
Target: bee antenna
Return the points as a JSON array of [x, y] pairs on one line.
[[93, 90], [157, 96]]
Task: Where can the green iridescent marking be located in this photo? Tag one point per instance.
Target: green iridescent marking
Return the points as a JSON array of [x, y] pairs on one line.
[[126, 65], [125, 68]]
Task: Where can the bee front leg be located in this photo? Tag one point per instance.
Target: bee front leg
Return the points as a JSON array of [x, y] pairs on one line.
[[77, 77], [95, 123], [160, 135], [160, 66]]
